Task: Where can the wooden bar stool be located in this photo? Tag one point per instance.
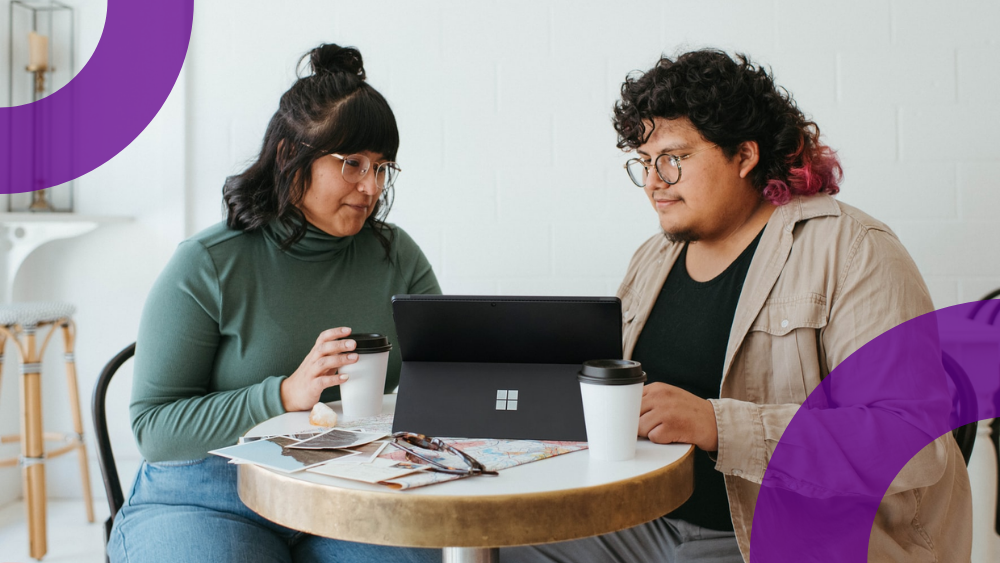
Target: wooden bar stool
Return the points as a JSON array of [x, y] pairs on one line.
[[20, 323]]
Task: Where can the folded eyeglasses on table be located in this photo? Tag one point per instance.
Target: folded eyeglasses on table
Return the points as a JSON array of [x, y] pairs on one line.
[[406, 441]]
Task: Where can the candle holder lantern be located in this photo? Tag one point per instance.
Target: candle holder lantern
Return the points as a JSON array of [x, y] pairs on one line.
[[42, 54]]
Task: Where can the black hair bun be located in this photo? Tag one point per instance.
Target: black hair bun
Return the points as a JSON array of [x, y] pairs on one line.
[[331, 58]]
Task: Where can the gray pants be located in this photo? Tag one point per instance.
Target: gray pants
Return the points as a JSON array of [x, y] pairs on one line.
[[662, 540]]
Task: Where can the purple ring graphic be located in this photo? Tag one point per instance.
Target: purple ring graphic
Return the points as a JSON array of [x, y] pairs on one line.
[[856, 431], [105, 107]]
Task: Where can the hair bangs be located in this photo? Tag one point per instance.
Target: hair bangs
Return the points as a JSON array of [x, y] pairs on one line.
[[362, 122]]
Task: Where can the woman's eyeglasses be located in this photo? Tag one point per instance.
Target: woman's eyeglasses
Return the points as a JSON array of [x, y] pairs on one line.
[[408, 442], [356, 167]]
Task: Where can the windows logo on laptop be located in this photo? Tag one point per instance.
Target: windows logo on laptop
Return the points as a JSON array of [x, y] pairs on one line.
[[506, 399]]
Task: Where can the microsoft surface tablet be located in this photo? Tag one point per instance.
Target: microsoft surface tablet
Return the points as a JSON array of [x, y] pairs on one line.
[[499, 367]]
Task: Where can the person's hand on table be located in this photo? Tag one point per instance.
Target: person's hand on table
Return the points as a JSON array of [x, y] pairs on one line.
[[670, 414], [301, 390]]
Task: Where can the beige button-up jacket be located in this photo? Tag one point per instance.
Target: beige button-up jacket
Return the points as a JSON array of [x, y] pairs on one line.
[[825, 279]]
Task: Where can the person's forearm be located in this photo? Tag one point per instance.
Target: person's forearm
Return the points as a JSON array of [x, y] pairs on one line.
[[187, 428]]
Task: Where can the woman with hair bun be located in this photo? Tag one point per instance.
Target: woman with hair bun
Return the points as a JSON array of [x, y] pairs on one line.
[[252, 318]]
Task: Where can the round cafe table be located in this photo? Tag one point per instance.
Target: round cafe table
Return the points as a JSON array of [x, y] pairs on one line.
[[555, 499]]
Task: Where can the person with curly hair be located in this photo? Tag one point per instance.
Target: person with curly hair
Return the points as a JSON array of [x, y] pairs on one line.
[[253, 318], [760, 284]]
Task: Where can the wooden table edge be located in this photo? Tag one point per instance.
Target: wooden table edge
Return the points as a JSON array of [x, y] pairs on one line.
[[465, 521]]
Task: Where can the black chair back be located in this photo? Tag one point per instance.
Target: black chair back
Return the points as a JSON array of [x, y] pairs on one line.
[[105, 456], [964, 435], [985, 310], [990, 315]]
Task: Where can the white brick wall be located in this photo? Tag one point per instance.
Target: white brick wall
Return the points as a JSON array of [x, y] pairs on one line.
[[512, 182]]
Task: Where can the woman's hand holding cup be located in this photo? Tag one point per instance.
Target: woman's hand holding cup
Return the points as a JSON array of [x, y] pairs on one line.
[[301, 390]]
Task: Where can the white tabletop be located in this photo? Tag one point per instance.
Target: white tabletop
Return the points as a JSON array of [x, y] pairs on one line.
[[567, 471]]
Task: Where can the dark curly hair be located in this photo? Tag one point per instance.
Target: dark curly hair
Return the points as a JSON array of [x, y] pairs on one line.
[[332, 109], [731, 101]]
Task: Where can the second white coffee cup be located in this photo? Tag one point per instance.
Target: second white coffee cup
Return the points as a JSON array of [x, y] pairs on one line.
[[612, 396], [361, 394]]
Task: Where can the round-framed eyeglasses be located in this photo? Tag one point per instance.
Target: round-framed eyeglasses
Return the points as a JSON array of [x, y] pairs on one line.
[[356, 167], [668, 167], [407, 440]]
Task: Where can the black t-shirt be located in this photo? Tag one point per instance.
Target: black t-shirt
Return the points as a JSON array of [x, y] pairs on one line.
[[683, 343]]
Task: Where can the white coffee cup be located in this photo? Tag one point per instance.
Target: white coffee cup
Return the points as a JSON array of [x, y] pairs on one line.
[[612, 396], [361, 395]]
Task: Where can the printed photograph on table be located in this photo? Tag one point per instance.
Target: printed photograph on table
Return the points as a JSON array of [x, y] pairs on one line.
[[337, 439], [276, 453]]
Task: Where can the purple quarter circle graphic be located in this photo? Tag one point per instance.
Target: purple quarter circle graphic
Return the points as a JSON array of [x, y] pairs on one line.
[[105, 107], [857, 430]]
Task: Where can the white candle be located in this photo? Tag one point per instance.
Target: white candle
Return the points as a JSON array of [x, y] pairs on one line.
[[38, 52]]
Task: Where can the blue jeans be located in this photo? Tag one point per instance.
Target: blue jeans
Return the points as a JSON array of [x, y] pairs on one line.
[[190, 511]]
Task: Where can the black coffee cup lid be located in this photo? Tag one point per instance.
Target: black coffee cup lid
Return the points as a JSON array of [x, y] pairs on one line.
[[611, 372], [370, 343]]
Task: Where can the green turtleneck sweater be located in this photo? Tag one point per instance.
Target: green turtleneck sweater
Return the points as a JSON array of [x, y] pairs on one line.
[[232, 315]]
